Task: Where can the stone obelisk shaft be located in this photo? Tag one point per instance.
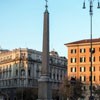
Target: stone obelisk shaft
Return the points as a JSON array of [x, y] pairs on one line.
[[44, 83]]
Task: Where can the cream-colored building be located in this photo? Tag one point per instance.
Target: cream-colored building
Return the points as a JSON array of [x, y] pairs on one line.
[[22, 68]]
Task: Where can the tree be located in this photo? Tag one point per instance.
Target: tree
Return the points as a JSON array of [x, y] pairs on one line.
[[65, 89], [78, 92], [97, 92], [71, 89]]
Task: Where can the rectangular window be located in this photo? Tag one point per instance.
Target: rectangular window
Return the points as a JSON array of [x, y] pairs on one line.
[[99, 78], [15, 81], [29, 72], [82, 50], [92, 50], [82, 78], [82, 59], [99, 58], [73, 69], [16, 72], [82, 69], [93, 59], [73, 60], [92, 68], [73, 51], [93, 78]]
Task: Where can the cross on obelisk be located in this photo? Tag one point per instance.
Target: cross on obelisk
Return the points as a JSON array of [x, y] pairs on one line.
[[46, 6], [44, 83]]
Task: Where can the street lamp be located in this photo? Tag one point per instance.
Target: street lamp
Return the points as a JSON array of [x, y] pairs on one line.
[[91, 49]]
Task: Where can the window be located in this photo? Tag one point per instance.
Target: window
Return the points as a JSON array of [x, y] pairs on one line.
[[29, 81], [82, 50], [50, 75], [93, 68], [82, 59], [73, 69], [93, 50], [93, 78], [37, 71], [82, 78], [9, 67], [15, 81], [54, 76], [82, 69], [73, 51], [29, 72], [99, 78], [99, 58], [10, 73], [73, 60], [93, 59], [16, 72], [57, 77]]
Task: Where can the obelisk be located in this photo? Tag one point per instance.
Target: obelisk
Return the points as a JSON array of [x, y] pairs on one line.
[[44, 83]]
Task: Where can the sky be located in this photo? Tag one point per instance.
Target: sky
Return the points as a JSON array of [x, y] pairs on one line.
[[21, 23]]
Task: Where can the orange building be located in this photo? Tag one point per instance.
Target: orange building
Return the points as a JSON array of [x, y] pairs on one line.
[[79, 60]]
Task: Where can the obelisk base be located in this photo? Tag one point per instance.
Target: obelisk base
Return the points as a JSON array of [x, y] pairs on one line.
[[44, 88]]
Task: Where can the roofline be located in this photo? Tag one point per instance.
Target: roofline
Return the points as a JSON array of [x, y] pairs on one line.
[[84, 41]]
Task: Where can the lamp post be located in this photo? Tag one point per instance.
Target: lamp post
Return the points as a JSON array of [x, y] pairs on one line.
[[91, 49]]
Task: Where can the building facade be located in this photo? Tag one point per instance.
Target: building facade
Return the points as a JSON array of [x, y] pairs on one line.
[[79, 61], [21, 68]]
